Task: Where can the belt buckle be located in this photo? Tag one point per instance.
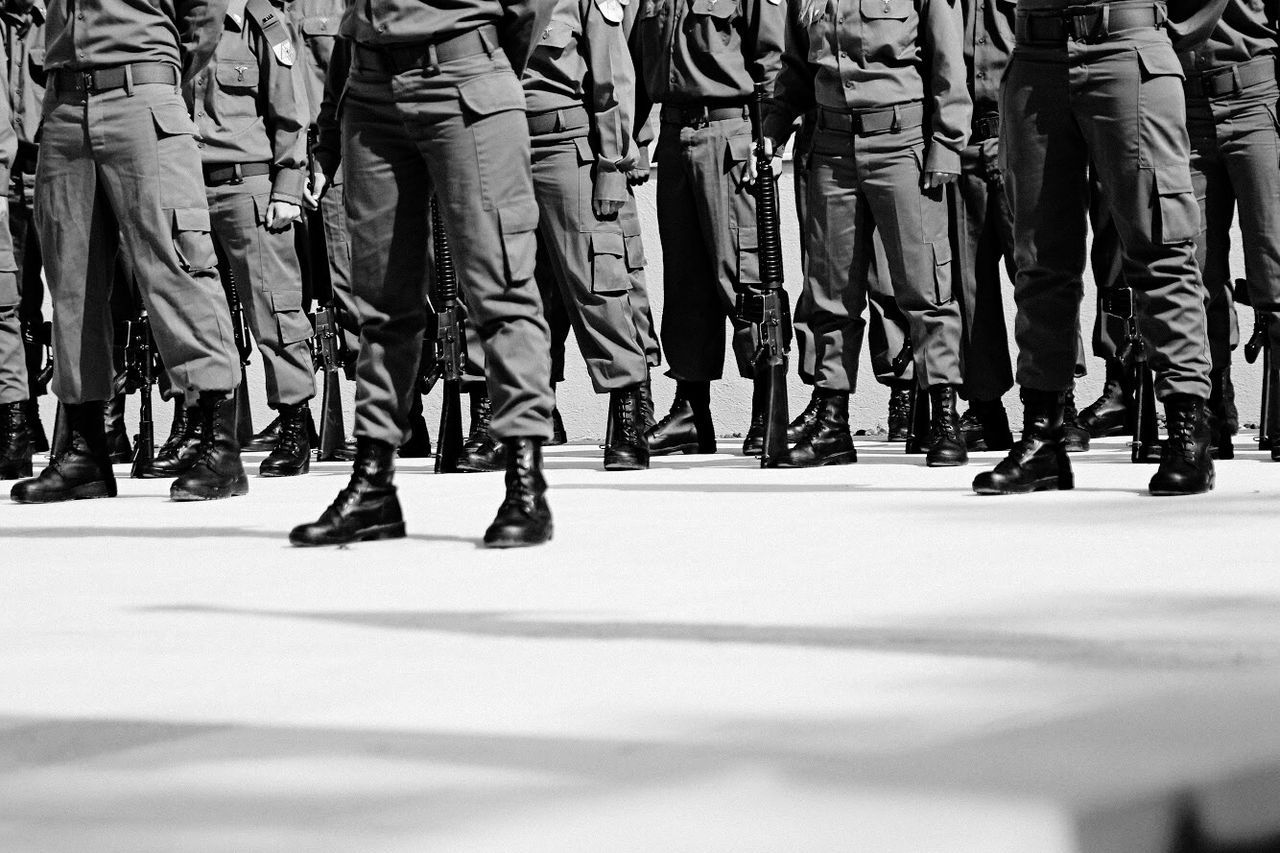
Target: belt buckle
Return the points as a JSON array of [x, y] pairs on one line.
[[1084, 25]]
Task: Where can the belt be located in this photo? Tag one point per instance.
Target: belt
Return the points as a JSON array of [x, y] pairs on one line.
[[984, 128], [553, 121], [427, 55], [235, 173], [870, 122], [92, 81], [700, 115], [1230, 79], [1086, 24]]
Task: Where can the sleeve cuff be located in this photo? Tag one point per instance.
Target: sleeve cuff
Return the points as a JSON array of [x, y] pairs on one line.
[[5, 174], [777, 127], [288, 185], [942, 159], [610, 186]]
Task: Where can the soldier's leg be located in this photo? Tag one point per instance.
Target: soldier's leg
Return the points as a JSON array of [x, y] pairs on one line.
[[15, 441], [802, 309], [981, 216], [642, 314], [1216, 195]]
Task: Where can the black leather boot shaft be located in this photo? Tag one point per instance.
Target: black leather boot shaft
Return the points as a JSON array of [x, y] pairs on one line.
[[985, 426], [481, 451], [418, 444], [687, 428], [1185, 466], [1111, 413], [118, 444], [646, 405], [1221, 428], [753, 442], [1075, 438], [292, 453], [15, 441], [946, 444], [81, 470], [178, 453], [899, 422], [217, 471], [826, 439], [796, 428], [626, 450], [264, 441], [1038, 461], [35, 427], [524, 517], [366, 509], [559, 437]]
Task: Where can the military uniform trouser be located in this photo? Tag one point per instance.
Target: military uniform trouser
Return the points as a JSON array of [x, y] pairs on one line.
[[859, 184], [1119, 104], [589, 262], [457, 129], [1235, 166], [13, 358], [707, 227], [268, 279], [120, 169], [984, 225]]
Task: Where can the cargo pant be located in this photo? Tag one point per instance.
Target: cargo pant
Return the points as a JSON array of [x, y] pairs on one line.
[[268, 280], [456, 129], [984, 225], [707, 227], [120, 170], [859, 184], [1235, 166], [1117, 103], [588, 262], [13, 358]]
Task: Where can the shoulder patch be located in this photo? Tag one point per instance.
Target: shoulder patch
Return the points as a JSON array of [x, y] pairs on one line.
[[285, 53], [611, 10]]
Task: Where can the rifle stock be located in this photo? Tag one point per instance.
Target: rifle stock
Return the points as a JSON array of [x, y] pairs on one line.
[[244, 345], [333, 357], [449, 348], [1144, 444], [140, 376]]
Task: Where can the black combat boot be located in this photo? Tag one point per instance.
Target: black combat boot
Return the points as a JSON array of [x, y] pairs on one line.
[[418, 444], [900, 410], [118, 444], [481, 451], [15, 441], [178, 453], [366, 509], [524, 517], [35, 427], [626, 450], [216, 472], [687, 428], [796, 428], [1075, 438], [1111, 413], [1038, 462], [292, 453], [1185, 466], [559, 437], [81, 469], [753, 442], [985, 426], [946, 444], [825, 440], [646, 405], [1221, 430], [265, 441]]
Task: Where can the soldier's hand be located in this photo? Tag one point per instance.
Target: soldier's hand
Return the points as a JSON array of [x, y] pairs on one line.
[[280, 214], [774, 156], [606, 208], [639, 173], [315, 189], [933, 180]]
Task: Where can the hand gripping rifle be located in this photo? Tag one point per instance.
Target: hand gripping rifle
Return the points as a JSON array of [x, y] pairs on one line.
[[765, 306], [1259, 344], [140, 376], [449, 348], [1145, 447], [244, 346]]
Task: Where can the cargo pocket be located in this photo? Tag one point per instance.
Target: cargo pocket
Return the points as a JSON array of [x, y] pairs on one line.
[[748, 257], [489, 103], [736, 154], [942, 271], [608, 270], [633, 243], [519, 250], [192, 240], [171, 119], [1177, 213], [556, 36], [291, 322]]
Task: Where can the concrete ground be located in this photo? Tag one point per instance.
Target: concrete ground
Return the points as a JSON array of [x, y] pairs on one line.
[[708, 657]]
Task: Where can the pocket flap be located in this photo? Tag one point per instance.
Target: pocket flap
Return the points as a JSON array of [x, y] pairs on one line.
[[518, 218], [1159, 60], [1170, 180], [172, 120], [284, 301], [557, 35], [941, 252], [714, 8], [491, 93], [739, 148], [607, 243], [886, 9], [320, 26], [237, 75], [191, 219], [585, 154], [747, 241]]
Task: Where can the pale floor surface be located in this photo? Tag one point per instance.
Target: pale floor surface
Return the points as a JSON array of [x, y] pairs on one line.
[[708, 657]]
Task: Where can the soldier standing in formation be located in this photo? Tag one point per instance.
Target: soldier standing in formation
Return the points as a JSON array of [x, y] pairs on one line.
[[15, 441], [1102, 84]]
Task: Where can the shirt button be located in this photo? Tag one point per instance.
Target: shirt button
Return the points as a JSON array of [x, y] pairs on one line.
[[981, 74], [982, 39]]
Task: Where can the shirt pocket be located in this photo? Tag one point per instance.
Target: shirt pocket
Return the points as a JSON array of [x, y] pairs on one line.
[[557, 36], [887, 10], [710, 25], [319, 33]]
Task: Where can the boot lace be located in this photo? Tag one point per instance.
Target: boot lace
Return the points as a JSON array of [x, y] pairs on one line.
[[291, 433], [670, 416]]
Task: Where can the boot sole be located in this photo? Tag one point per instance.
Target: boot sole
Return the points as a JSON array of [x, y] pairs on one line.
[[235, 490], [848, 458], [686, 449], [946, 463], [369, 534], [1178, 493], [286, 472], [519, 543], [87, 492], [1044, 484], [626, 466]]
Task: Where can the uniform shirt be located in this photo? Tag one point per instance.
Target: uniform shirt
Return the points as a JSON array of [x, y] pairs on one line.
[[692, 51], [581, 60], [988, 44], [872, 54], [317, 24], [8, 138], [386, 22], [251, 108], [24, 42], [1190, 21], [84, 34], [1247, 31]]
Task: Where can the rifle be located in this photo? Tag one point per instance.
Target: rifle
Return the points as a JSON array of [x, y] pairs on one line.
[[140, 375], [917, 403], [244, 346], [766, 306], [448, 347], [333, 360], [1145, 446], [1259, 344]]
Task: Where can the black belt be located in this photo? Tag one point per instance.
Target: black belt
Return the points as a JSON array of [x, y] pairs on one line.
[[94, 80], [870, 122], [700, 115], [427, 55], [216, 176], [1087, 24], [1230, 79], [984, 128], [554, 121]]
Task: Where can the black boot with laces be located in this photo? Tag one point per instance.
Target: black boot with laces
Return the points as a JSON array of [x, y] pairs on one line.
[[178, 453], [946, 444], [81, 469], [900, 410], [292, 453], [366, 509], [805, 419], [524, 517], [15, 441], [217, 471], [626, 450], [1185, 466], [1038, 461], [687, 428], [824, 440], [481, 451]]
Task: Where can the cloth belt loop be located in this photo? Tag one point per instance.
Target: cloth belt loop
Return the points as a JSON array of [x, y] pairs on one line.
[[128, 80], [1106, 22], [432, 65], [237, 175], [897, 123], [1236, 85]]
